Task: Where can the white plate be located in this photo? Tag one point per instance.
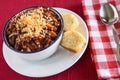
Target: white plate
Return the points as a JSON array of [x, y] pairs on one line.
[[55, 64]]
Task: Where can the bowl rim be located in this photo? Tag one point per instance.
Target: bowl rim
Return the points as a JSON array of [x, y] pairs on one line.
[[36, 51]]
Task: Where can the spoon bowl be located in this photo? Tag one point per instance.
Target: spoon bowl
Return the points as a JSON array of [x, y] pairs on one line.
[[108, 14]]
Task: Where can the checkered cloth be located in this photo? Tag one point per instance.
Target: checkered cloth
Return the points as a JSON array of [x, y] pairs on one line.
[[102, 44]]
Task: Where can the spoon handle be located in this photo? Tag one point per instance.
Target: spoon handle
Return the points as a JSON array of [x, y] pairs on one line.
[[118, 53], [115, 35], [116, 40]]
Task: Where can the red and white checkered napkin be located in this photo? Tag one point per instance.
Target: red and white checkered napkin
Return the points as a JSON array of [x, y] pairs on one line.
[[102, 44]]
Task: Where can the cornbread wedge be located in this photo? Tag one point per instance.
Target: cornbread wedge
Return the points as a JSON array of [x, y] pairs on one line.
[[70, 21], [73, 41]]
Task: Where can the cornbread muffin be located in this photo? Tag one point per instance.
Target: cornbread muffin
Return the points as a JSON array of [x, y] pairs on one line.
[[73, 41], [70, 21]]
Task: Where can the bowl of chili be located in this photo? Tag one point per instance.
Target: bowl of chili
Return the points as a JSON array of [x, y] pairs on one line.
[[34, 33]]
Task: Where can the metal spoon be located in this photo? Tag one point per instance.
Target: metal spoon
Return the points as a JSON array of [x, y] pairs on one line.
[[109, 16]]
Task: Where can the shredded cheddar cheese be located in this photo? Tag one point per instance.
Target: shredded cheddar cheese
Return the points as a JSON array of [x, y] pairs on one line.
[[34, 22]]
